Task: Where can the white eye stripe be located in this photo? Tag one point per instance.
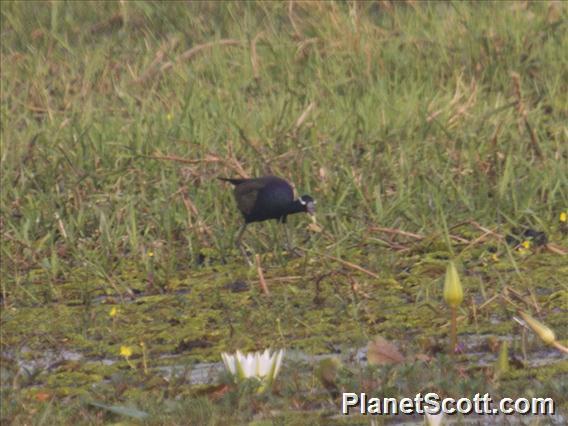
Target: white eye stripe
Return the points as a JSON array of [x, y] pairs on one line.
[[302, 202]]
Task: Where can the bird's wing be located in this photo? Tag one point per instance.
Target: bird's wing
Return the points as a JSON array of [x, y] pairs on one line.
[[246, 195]]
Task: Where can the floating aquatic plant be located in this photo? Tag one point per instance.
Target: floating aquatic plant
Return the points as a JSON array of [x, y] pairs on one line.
[[263, 366], [453, 292], [502, 364], [453, 295], [545, 333], [126, 352]]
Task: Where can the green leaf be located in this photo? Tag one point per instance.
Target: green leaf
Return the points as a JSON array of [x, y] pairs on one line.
[[121, 410]]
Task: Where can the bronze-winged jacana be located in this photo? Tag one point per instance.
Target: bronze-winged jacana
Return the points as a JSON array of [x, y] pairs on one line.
[[265, 198]]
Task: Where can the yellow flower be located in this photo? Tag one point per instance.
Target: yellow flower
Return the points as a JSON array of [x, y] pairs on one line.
[[495, 258], [524, 247], [150, 254], [169, 116], [113, 312], [563, 217], [125, 351]]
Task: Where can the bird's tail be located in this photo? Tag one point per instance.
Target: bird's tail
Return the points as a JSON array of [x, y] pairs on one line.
[[233, 181]]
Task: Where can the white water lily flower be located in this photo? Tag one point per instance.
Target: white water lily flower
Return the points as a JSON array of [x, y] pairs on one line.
[[261, 365], [434, 419]]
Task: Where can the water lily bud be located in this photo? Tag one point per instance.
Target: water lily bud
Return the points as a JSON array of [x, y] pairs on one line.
[[453, 292], [502, 365], [545, 333]]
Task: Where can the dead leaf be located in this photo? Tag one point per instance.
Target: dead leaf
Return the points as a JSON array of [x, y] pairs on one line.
[[42, 396], [554, 13], [382, 352], [219, 392], [314, 227], [423, 357]]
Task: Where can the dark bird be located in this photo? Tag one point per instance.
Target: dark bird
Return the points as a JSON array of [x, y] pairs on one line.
[[264, 198]]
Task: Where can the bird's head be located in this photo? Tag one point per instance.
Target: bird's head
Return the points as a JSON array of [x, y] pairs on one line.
[[308, 203]]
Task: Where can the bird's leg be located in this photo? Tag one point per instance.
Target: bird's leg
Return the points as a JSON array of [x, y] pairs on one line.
[[289, 245], [239, 244]]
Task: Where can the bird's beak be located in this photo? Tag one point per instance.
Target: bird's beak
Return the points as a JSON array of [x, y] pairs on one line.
[[311, 209]]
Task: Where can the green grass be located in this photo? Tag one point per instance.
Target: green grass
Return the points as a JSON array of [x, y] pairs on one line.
[[417, 117]]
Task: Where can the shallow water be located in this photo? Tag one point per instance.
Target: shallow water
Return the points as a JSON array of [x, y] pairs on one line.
[[473, 350]]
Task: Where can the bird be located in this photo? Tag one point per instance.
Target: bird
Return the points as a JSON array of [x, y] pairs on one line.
[[265, 198]]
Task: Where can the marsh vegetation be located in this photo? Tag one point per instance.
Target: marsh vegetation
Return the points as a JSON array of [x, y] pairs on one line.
[[427, 132]]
